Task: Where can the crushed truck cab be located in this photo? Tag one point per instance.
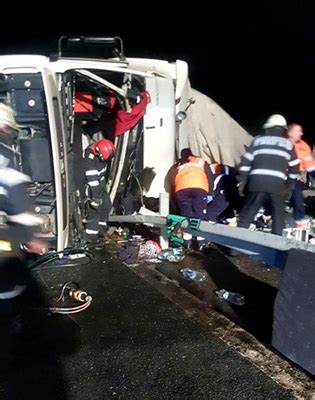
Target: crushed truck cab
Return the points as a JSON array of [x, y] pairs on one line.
[[62, 103]]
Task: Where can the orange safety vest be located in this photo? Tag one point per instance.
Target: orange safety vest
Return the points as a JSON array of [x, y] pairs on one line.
[[305, 155], [191, 175]]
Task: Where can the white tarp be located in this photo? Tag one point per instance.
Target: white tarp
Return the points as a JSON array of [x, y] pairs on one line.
[[213, 134]]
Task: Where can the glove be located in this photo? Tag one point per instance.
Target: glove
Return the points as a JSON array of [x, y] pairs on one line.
[[96, 203]]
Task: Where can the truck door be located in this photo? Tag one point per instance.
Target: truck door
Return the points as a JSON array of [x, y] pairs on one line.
[[182, 96], [57, 133], [159, 131]]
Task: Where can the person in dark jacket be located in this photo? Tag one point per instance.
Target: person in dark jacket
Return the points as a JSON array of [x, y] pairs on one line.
[[98, 201], [307, 166], [271, 168], [16, 226], [225, 199]]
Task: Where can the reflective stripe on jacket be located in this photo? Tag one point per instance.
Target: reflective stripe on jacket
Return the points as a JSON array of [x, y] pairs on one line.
[[192, 175]]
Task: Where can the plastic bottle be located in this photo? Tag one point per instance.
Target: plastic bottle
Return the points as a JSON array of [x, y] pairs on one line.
[[235, 298], [193, 275]]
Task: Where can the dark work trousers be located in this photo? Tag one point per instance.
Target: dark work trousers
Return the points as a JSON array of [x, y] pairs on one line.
[[253, 202], [192, 203], [297, 201], [226, 199], [216, 207], [97, 218], [219, 209]]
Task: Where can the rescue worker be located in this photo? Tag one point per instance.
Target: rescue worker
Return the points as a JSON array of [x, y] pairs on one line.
[[225, 200], [307, 165], [18, 223], [97, 199], [192, 184], [271, 167]]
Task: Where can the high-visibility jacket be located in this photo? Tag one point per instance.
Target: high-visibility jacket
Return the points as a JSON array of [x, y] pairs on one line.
[[305, 155], [192, 175]]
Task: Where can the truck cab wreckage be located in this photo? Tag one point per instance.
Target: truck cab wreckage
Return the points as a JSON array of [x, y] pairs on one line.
[[56, 98]]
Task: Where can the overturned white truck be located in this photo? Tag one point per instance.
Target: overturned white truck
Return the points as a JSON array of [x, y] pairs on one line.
[[64, 100]]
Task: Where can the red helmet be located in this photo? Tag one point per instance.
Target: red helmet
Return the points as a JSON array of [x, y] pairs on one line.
[[104, 147]]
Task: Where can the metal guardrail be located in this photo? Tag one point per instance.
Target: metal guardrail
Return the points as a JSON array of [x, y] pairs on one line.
[[139, 219], [266, 247]]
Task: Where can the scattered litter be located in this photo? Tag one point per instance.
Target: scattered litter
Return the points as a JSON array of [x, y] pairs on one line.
[[235, 298], [137, 250], [173, 254], [136, 238], [153, 260], [129, 254], [118, 235], [130, 264], [148, 250], [193, 275]]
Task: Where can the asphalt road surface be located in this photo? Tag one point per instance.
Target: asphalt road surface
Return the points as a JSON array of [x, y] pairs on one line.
[[132, 343]]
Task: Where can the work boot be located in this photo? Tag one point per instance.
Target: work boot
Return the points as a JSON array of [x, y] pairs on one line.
[[263, 222]]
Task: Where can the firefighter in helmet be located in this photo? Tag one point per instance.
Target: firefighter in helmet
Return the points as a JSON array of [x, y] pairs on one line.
[[96, 158], [17, 225]]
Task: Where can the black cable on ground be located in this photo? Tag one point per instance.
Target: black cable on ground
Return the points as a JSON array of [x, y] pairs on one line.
[[58, 255]]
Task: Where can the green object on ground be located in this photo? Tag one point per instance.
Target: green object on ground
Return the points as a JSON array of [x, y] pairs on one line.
[[174, 227]]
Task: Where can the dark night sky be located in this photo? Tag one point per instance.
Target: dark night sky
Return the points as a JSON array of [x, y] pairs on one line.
[[253, 59]]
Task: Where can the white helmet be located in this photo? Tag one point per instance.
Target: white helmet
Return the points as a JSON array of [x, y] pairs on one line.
[[275, 120], [7, 117]]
